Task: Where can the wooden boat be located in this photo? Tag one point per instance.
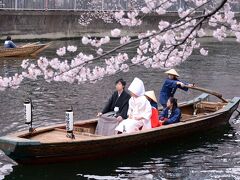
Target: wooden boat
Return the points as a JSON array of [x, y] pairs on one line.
[[50, 144], [23, 51]]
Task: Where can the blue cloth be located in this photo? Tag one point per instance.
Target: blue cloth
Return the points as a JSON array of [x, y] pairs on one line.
[[174, 117], [168, 90], [9, 44]]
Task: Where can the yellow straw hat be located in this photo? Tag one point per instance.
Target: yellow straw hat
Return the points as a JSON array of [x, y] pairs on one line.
[[172, 72], [151, 95]]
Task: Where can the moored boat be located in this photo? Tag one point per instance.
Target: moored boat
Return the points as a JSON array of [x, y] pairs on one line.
[[23, 51], [50, 144]]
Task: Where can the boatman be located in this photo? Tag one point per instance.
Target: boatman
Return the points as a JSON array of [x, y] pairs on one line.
[[170, 86], [9, 43]]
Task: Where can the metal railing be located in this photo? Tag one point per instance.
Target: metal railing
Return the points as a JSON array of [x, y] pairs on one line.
[[64, 4], [85, 5]]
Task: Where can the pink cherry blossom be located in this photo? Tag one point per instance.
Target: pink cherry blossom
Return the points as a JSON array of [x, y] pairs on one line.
[[145, 10], [161, 11], [72, 48], [61, 51], [220, 33], [115, 32], [119, 15], [124, 68], [200, 2], [42, 63], [55, 63], [201, 32], [105, 40], [203, 52], [125, 39], [85, 40], [237, 34], [25, 63], [100, 51], [163, 24], [150, 4]]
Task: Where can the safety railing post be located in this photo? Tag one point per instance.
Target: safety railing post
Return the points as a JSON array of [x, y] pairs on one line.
[[16, 5], [102, 5], [75, 5], [46, 4]]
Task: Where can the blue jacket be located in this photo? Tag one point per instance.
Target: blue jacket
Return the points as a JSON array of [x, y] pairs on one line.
[[9, 44], [168, 90], [174, 117]]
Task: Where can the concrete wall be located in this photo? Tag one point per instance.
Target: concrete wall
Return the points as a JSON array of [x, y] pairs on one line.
[[64, 24]]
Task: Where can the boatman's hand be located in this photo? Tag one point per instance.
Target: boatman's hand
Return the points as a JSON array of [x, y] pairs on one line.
[[190, 85], [180, 83], [99, 114]]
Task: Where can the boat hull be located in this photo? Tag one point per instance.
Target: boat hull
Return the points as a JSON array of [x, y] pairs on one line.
[[37, 152], [22, 51]]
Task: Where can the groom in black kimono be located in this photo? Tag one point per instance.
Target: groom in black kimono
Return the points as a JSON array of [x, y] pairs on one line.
[[118, 102], [114, 111]]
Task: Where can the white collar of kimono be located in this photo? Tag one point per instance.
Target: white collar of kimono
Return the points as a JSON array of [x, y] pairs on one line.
[[137, 87]]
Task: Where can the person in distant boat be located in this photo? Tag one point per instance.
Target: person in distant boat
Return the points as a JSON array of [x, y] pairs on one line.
[[153, 101], [139, 111], [114, 111], [9, 43], [170, 86], [171, 114]]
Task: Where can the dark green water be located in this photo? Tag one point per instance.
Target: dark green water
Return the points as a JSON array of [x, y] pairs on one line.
[[210, 155]]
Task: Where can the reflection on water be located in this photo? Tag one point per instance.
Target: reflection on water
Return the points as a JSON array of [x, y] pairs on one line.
[[6, 165], [210, 155]]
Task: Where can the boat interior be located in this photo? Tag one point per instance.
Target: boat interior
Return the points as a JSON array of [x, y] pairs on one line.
[[86, 130]]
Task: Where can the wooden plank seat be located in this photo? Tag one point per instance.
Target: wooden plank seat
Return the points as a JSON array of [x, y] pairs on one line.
[[206, 106], [81, 130]]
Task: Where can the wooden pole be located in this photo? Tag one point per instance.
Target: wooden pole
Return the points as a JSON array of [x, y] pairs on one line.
[[30, 44], [218, 95]]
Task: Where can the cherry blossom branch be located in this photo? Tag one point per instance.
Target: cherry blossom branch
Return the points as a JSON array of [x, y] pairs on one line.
[[172, 42]]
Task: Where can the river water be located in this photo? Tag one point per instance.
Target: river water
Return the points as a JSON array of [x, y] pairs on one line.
[[210, 155]]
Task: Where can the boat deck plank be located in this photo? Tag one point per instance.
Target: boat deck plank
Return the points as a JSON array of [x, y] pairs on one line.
[[59, 136]]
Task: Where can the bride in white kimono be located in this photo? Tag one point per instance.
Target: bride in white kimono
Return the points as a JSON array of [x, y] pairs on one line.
[[139, 111]]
